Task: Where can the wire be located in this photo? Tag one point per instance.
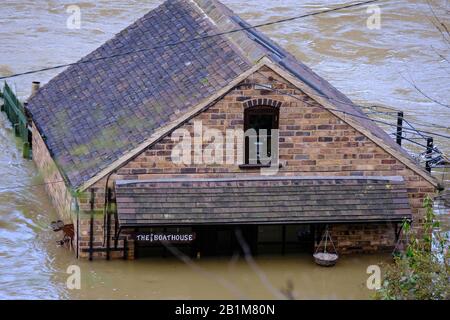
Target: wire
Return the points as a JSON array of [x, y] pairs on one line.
[[220, 34], [348, 113], [231, 32], [341, 111], [384, 107], [364, 117], [427, 124], [211, 36], [412, 127], [330, 109], [395, 114], [170, 44], [408, 139]]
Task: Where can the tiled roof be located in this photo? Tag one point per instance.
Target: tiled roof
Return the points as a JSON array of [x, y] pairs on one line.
[[261, 200], [93, 113]]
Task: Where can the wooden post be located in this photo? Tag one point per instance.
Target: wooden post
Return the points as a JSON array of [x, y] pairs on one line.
[[17, 129], [254, 235], [125, 248], [136, 246], [91, 230], [116, 227], [164, 253], [283, 235], [428, 153], [108, 225], [26, 150], [399, 128]]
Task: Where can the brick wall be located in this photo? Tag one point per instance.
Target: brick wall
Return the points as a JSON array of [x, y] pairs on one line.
[[54, 185], [56, 189], [312, 142], [363, 238], [98, 239]]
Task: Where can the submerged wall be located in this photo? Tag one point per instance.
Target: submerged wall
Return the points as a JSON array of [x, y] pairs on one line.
[[54, 184]]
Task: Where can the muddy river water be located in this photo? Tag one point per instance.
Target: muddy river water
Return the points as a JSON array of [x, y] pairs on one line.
[[372, 66]]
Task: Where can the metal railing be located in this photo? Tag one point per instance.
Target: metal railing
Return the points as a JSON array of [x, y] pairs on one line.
[[432, 156], [15, 113]]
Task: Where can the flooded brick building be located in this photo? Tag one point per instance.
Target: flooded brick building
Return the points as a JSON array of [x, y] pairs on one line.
[[105, 132]]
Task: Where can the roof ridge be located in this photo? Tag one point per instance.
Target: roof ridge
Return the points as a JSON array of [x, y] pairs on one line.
[[220, 28], [225, 20]]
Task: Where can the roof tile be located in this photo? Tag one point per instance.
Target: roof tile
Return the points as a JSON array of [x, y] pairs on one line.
[[253, 200]]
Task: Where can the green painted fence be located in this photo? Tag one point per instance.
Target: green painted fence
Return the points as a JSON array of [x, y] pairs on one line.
[[16, 114]]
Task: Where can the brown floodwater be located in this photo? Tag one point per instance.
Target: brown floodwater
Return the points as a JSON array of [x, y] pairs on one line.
[[370, 66]]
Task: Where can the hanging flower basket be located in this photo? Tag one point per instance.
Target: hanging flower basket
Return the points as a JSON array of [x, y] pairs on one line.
[[324, 258]]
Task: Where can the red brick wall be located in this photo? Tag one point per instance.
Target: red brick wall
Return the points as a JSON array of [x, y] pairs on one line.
[[54, 185], [363, 238], [56, 189]]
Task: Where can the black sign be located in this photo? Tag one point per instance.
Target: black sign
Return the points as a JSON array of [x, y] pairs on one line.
[[165, 237]]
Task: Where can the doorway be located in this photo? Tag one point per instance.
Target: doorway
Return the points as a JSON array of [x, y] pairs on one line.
[[223, 240]]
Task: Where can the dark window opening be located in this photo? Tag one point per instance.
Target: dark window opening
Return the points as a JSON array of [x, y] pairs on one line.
[[258, 125]]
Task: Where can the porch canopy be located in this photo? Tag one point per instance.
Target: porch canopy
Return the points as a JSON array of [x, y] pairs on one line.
[[261, 200]]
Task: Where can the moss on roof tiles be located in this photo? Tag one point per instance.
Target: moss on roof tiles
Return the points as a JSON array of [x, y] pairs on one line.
[[137, 93], [115, 104]]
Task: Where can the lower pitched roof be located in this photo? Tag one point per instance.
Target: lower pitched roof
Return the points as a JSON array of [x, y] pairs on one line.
[[256, 200]]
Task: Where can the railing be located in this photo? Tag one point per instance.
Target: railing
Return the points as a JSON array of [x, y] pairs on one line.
[[15, 113], [432, 156]]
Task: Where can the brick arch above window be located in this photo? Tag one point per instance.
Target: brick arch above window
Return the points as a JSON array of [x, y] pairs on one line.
[[262, 102]]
